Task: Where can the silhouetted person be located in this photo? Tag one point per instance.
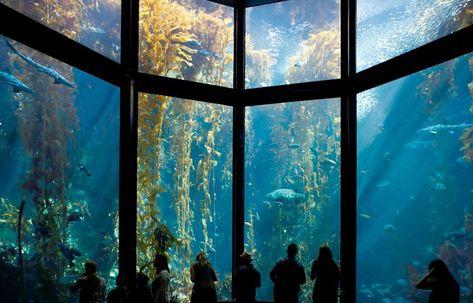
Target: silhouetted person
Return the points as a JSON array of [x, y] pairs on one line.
[[247, 280], [327, 277], [204, 278], [162, 280], [287, 276], [92, 287], [119, 293], [142, 293], [445, 288]]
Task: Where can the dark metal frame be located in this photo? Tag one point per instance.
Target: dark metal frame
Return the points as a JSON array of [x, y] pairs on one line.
[[125, 75]]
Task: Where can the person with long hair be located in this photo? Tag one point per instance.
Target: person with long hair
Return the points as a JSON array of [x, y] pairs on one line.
[[445, 288], [204, 277], [161, 282], [327, 275]]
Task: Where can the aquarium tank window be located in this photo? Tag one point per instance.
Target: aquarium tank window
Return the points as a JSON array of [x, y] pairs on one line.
[[59, 143], [96, 24], [386, 29], [291, 42], [414, 185], [190, 40], [184, 203], [298, 145]]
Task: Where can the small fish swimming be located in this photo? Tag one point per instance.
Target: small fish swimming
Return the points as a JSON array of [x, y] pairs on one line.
[[84, 169], [41, 231], [93, 30], [294, 146], [75, 216], [298, 64], [285, 196], [17, 85], [365, 216], [383, 184], [207, 53], [58, 78]]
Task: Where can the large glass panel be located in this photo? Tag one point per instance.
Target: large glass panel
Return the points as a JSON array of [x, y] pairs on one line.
[[59, 144], [190, 40], [415, 162], [292, 41], [96, 24], [185, 188], [386, 29], [297, 145]]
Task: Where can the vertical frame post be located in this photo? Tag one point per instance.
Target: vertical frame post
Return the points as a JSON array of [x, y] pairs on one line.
[[348, 209], [128, 141], [238, 140]]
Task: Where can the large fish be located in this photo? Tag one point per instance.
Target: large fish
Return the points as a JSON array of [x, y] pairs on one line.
[[285, 196], [17, 85], [58, 78], [434, 129]]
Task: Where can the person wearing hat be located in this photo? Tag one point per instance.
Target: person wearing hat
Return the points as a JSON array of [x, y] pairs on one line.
[[247, 280]]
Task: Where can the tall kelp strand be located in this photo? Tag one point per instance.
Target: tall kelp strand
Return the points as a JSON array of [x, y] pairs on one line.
[[180, 40], [184, 190]]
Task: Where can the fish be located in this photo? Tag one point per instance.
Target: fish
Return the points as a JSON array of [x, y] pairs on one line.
[[42, 231], [294, 146], [365, 216], [285, 196], [390, 228], [93, 30], [456, 234], [383, 184], [75, 216], [207, 53], [69, 253], [84, 169], [248, 224], [192, 44], [58, 78], [298, 64], [17, 85], [435, 129]]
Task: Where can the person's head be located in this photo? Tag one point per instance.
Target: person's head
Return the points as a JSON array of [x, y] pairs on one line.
[[121, 280], [246, 258], [201, 257], [90, 267], [141, 279], [439, 269], [325, 254], [161, 263], [292, 250]]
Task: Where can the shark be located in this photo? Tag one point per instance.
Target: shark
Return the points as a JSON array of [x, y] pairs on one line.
[[58, 78], [435, 129], [285, 196], [17, 85]]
